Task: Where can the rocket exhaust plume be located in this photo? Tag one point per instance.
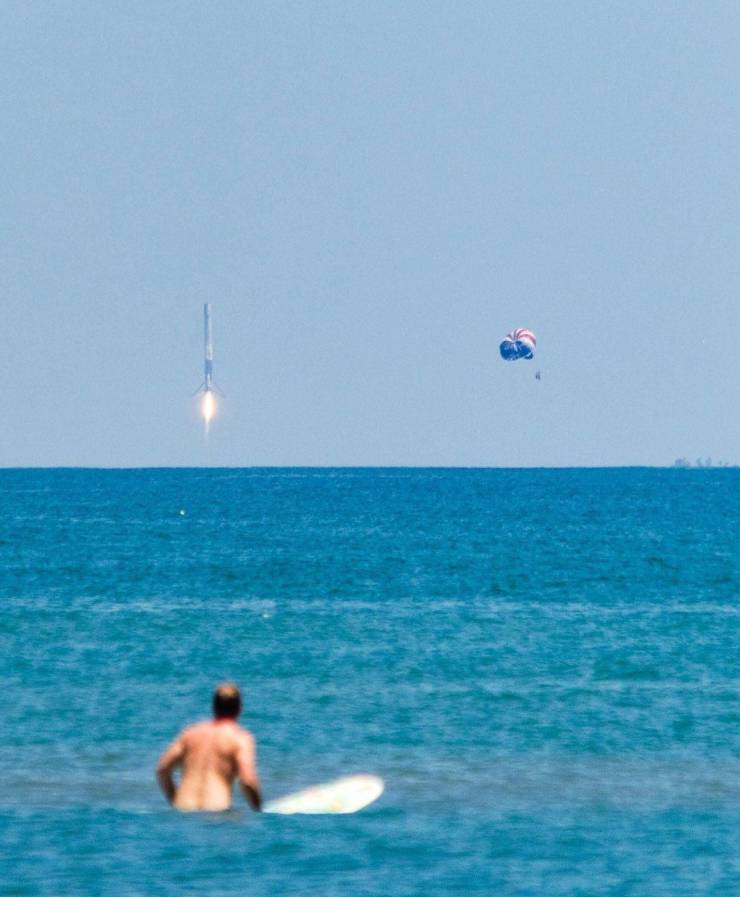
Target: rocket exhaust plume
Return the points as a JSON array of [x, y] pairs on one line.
[[208, 388], [208, 409]]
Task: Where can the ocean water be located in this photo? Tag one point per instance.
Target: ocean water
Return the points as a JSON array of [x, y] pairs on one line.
[[542, 665]]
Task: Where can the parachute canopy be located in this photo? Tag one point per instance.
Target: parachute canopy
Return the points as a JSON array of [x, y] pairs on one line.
[[520, 343]]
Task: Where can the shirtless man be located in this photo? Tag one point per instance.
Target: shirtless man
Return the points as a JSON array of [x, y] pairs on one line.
[[212, 754]]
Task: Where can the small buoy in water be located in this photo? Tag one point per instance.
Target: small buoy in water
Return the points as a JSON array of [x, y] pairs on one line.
[[182, 512]]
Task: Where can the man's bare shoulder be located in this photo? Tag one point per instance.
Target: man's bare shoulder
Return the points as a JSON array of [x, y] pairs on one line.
[[196, 730], [245, 737], [240, 734]]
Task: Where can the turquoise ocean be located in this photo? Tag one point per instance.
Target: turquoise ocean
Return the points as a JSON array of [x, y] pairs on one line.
[[541, 664]]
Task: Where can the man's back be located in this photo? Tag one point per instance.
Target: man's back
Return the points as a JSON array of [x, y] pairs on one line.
[[212, 754]]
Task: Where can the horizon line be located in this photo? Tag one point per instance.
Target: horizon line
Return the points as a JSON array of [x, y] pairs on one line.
[[671, 466]]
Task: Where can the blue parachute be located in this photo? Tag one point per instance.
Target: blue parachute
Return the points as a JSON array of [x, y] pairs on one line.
[[520, 343]]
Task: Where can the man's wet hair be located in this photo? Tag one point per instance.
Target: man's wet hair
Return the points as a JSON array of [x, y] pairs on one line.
[[227, 702]]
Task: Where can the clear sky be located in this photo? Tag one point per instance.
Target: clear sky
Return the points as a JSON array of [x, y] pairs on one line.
[[370, 195]]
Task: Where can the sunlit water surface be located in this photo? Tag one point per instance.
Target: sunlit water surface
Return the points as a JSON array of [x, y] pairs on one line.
[[542, 665]]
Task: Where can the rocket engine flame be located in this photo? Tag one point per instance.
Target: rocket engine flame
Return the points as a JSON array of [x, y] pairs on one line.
[[208, 408]]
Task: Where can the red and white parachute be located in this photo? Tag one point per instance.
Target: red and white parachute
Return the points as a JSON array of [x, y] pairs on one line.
[[520, 343]]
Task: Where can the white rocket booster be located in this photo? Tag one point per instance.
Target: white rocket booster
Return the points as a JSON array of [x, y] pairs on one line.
[[208, 339], [208, 384], [208, 387]]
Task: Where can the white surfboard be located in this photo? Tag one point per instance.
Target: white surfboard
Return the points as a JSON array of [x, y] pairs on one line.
[[345, 795]]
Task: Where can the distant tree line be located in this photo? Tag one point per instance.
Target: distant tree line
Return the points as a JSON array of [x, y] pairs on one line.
[[701, 462]]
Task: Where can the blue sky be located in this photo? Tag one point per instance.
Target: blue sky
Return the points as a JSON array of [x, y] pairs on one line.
[[370, 196]]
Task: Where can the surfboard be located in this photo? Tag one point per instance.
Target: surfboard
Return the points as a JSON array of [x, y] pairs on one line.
[[346, 795]]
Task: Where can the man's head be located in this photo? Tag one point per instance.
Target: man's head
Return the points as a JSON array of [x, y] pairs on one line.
[[227, 702]]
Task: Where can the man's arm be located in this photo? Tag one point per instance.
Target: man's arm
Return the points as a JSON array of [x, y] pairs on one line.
[[168, 762], [246, 764]]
